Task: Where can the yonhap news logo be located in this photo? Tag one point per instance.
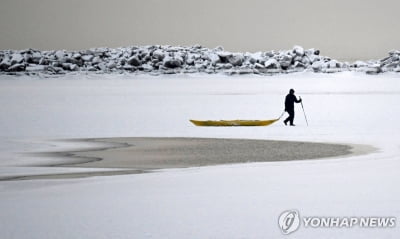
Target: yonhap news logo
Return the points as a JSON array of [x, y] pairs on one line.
[[290, 221]]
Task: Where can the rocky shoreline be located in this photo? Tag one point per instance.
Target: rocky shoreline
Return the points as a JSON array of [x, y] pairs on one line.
[[158, 60]]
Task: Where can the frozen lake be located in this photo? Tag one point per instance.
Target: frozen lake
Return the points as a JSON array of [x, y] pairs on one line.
[[231, 201]]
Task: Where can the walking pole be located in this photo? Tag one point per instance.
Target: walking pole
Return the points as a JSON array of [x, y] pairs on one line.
[[305, 116]]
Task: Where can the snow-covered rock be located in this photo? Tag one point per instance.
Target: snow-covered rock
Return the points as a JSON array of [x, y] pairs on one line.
[[272, 63], [73, 67], [77, 56], [111, 65], [36, 56], [298, 50], [373, 69], [97, 60], [177, 59], [214, 58], [259, 66], [16, 58], [134, 61], [224, 55], [236, 59], [147, 68], [87, 57], [360, 64], [257, 58], [17, 67], [60, 55], [333, 64], [5, 64], [285, 61], [35, 68], [101, 66], [172, 62], [317, 66], [159, 55]]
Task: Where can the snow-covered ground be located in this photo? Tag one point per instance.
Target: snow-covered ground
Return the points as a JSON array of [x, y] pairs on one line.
[[229, 201]]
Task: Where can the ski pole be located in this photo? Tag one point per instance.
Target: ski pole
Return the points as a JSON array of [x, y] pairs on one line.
[[305, 116]]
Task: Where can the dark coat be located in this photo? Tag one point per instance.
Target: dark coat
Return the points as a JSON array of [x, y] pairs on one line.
[[289, 102]]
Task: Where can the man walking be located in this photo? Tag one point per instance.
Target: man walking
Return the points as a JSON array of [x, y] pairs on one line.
[[289, 106]]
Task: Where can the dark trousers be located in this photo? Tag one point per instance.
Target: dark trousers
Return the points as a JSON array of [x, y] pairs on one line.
[[291, 117]]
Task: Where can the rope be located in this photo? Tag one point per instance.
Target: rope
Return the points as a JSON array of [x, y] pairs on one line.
[[281, 115]]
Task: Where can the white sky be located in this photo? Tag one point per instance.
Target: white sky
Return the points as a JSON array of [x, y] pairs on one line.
[[343, 29]]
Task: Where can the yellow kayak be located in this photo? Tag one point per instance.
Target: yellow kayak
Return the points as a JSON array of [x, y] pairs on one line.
[[233, 122]]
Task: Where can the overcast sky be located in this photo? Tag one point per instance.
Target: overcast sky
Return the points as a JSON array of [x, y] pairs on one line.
[[343, 29]]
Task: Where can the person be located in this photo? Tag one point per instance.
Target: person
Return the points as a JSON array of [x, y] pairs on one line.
[[289, 106]]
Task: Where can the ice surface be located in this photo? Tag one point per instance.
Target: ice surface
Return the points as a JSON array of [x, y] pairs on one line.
[[230, 201]]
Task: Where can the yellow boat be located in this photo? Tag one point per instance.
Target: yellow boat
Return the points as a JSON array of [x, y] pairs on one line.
[[233, 122]]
